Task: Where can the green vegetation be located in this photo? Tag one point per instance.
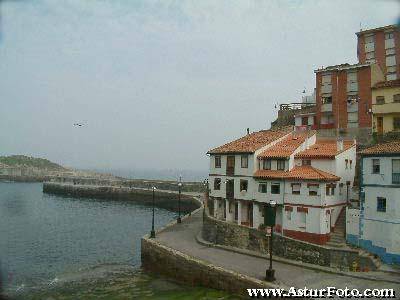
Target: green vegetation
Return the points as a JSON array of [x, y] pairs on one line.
[[22, 160]]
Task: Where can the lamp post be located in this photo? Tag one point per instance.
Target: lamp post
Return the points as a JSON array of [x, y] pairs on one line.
[[270, 215], [152, 232], [179, 220]]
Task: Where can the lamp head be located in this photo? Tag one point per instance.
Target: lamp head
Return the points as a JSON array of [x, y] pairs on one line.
[[272, 203]]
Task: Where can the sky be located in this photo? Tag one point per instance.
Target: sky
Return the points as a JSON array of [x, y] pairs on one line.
[[158, 83]]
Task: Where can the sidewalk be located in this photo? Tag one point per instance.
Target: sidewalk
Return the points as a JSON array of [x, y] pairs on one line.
[[182, 237]]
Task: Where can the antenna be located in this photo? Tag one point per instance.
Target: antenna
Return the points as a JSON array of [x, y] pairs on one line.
[[360, 27]]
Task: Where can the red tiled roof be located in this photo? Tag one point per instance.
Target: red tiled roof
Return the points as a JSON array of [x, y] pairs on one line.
[[297, 173], [286, 147], [387, 84], [324, 149], [251, 142], [387, 148]]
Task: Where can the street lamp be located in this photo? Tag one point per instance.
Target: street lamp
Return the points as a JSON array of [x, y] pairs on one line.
[[152, 232], [270, 215], [179, 220]]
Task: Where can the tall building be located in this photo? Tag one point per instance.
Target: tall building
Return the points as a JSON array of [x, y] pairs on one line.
[[382, 46], [343, 95]]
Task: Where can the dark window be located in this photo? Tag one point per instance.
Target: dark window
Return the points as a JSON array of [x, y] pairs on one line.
[[296, 188], [243, 185], [376, 166], [381, 204], [347, 163], [351, 163], [267, 164], [380, 100], [326, 100], [245, 161], [304, 121], [330, 190], [217, 184], [275, 188], [396, 171], [313, 189], [396, 123], [262, 188], [396, 98], [306, 162], [280, 164], [218, 161]]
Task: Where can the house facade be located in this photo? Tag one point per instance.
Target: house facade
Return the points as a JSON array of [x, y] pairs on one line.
[[376, 225], [386, 107], [297, 172]]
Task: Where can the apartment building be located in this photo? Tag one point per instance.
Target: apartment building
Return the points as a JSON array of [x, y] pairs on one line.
[[382, 46], [344, 97], [386, 107], [376, 225]]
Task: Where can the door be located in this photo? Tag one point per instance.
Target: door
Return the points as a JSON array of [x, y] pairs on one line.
[[379, 121], [250, 214], [230, 165], [230, 189]]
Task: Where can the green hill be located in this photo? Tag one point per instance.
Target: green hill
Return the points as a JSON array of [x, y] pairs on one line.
[[27, 161]]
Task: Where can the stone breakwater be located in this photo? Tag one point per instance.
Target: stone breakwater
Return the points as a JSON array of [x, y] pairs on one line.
[[163, 199]]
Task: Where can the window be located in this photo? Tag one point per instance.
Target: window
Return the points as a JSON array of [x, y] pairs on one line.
[[267, 164], [369, 39], [351, 163], [306, 162], [396, 123], [296, 188], [330, 190], [217, 184], [302, 218], [396, 98], [289, 215], [262, 187], [275, 188], [381, 204], [376, 166], [327, 100], [392, 76], [390, 51], [313, 189], [217, 161], [391, 60], [280, 164], [370, 55], [389, 35], [245, 161], [340, 188], [396, 171], [380, 100], [243, 185], [230, 207], [347, 163]]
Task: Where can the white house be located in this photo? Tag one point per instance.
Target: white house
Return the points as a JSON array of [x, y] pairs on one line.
[[232, 186], [376, 226], [308, 179]]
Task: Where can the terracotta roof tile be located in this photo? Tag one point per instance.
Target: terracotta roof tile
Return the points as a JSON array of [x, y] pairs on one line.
[[251, 142], [286, 147], [297, 173], [387, 84], [386, 148], [324, 149]]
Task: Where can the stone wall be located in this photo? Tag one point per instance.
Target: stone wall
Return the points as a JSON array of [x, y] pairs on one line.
[[164, 200], [233, 235], [176, 265]]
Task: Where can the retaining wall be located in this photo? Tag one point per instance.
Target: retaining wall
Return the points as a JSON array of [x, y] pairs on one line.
[[233, 235], [164, 200]]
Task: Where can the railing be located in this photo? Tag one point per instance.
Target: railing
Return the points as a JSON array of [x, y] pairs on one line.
[[293, 106], [396, 178]]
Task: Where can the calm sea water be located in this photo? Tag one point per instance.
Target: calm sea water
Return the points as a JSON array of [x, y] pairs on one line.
[[68, 248]]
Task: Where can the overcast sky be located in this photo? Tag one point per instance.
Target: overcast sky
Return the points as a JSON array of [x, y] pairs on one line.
[[158, 83]]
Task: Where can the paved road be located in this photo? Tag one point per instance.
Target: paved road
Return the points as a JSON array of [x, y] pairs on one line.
[[182, 237]]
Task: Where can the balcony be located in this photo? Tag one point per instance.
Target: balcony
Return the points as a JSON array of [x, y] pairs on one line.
[[386, 108], [396, 178], [327, 107]]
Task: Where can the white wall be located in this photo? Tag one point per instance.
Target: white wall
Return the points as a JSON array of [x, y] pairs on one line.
[[385, 176], [352, 221]]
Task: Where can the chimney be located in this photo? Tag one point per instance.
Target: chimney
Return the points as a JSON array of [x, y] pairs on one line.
[[248, 130], [340, 145]]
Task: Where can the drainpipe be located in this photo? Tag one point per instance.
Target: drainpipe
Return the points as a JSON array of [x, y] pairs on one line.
[[361, 196]]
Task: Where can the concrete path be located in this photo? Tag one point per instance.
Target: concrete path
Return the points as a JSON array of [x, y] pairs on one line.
[[182, 237]]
